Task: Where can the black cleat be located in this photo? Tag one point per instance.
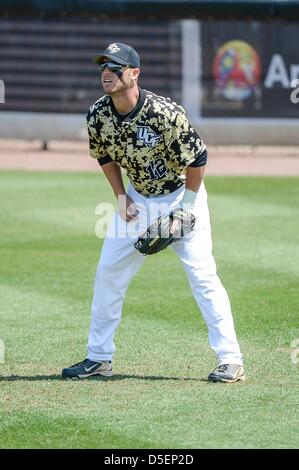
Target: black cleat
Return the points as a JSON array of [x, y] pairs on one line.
[[87, 368]]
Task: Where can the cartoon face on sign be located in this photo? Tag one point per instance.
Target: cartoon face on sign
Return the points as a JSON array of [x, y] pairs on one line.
[[236, 70]]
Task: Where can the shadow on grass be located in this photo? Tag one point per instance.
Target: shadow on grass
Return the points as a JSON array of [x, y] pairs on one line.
[[114, 378]]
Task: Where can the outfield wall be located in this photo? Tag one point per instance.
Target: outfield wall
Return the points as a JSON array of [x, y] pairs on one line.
[[51, 126]]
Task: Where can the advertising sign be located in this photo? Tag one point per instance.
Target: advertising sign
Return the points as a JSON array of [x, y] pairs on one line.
[[250, 69]]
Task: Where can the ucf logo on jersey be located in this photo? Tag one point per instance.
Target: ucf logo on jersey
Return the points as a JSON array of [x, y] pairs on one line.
[[148, 136]]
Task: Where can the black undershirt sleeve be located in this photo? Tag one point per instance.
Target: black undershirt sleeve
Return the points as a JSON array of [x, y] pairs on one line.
[[200, 160], [103, 160]]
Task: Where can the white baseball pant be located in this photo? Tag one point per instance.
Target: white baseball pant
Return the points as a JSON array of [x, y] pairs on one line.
[[120, 261]]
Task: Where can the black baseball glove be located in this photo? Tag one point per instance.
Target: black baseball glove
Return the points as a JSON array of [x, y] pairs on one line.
[[158, 235]]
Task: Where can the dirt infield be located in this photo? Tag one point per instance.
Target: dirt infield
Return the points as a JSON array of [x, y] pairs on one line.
[[223, 160]]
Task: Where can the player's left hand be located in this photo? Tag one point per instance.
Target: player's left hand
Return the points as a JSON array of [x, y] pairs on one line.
[[175, 227], [183, 222], [159, 235]]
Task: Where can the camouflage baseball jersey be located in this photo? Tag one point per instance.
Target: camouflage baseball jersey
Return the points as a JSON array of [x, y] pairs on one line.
[[154, 143]]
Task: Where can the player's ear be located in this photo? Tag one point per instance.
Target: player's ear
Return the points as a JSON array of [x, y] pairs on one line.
[[135, 73]]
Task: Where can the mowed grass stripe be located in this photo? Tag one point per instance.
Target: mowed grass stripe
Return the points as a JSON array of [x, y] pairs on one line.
[[37, 430]]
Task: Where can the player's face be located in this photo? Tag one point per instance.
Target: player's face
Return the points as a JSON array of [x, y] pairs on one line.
[[116, 78]]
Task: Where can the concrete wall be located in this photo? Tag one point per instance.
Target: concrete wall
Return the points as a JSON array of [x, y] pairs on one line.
[[49, 126]]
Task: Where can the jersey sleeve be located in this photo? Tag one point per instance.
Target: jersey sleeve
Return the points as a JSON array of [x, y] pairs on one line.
[[96, 147], [184, 144]]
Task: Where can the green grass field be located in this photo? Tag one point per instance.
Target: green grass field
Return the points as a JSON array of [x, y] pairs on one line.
[[159, 396]]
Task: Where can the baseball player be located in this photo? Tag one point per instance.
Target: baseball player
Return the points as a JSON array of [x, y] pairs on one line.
[[150, 137]]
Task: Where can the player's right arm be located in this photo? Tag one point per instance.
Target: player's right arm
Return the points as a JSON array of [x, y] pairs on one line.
[[126, 207], [113, 174], [111, 170]]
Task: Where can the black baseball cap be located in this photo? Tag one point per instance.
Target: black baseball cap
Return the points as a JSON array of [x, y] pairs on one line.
[[120, 54]]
